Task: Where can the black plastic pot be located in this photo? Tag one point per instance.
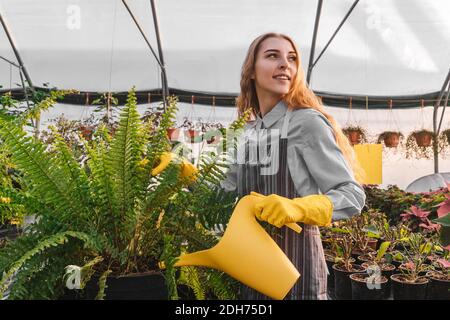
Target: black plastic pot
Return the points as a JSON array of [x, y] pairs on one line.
[[403, 290], [438, 289], [364, 289], [342, 284], [330, 278], [10, 232], [148, 286], [387, 271]]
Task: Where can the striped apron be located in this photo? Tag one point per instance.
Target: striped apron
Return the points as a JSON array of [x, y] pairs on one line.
[[305, 249]]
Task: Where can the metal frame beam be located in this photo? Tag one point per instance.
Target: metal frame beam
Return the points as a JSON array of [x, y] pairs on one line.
[[436, 128], [16, 52], [313, 42], [313, 62], [160, 60], [165, 85]]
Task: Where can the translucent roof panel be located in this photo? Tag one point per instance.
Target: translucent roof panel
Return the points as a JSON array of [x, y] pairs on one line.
[[385, 47]]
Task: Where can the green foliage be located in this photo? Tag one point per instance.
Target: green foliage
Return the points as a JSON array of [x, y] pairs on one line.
[[123, 220]]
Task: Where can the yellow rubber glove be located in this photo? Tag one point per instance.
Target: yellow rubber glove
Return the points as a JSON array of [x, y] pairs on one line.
[[188, 170], [315, 209]]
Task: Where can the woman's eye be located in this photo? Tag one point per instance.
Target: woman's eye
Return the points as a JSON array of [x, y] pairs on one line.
[[293, 58]]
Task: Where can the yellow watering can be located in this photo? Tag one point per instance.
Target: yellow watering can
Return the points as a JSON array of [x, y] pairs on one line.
[[247, 253]]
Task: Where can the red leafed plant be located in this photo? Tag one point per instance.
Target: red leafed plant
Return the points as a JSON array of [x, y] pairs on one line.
[[418, 217], [444, 207]]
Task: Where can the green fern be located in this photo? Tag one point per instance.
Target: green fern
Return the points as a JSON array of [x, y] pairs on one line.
[[102, 285], [53, 241]]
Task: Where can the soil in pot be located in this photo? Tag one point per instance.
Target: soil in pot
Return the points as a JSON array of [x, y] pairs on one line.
[[145, 286], [342, 284], [438, 287], [367, 287], [406, 290]]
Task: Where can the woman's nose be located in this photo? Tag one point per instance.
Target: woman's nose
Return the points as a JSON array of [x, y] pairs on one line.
[[283, 63]]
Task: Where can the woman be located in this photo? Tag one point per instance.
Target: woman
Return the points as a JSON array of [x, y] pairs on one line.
[[310, 175]]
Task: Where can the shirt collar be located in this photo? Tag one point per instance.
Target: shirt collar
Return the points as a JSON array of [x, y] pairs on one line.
[[272, 116]]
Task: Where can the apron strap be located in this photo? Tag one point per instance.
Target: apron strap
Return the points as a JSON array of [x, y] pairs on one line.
[[284, 129]]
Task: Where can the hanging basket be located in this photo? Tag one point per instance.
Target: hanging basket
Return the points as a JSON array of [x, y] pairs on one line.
[[173, 134], [191, 135], [391, 139], [447, 135], [423, 138], [86, 131], [355, 136]]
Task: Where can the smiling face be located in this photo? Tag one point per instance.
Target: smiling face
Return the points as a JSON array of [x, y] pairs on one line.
[[275, 68]]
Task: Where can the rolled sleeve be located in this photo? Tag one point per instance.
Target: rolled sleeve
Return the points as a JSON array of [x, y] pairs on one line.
[[315, 147]]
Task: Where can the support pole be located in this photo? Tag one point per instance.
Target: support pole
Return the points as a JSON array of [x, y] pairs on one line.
[[165, 85], [435, 126], [313, 42]]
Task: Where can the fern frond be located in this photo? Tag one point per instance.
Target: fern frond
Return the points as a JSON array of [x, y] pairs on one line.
[[102, 285], [53, 241]]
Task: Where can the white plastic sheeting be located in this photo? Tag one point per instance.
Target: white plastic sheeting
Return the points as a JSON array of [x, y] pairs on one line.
[[386, 47]]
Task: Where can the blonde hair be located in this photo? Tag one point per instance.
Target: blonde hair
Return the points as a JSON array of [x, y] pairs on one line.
[[299, 96]]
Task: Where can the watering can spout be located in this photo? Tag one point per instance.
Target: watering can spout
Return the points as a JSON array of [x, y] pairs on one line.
[[202, 258], [247, 253]]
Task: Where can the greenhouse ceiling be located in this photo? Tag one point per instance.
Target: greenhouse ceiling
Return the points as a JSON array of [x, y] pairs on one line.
[[385, 47]]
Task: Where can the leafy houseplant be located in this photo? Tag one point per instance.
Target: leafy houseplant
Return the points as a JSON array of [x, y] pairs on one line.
[[391, 139], [409, 284], [439, 286], [355, 134], [344, 266], [109, 216], [374, 285]]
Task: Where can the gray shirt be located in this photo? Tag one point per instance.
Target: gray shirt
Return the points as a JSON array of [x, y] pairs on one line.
[[315, 161]]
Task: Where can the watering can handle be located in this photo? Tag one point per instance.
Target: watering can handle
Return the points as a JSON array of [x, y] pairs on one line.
[[294, 226]]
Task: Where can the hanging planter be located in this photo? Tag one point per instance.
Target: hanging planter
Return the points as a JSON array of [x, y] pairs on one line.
[[173, 134], [355, 134], [391, 139], [419, 144], [192, 135], [86, 131], [423, 138], [446, 134]]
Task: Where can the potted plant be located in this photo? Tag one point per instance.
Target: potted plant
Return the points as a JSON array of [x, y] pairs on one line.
[[191, 131], [419, 144], [391, 139], [410, 284], [355, 134], [107, 223], [439, 286], [212, 132], [374, 284], [344, 266], [333, 255]]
